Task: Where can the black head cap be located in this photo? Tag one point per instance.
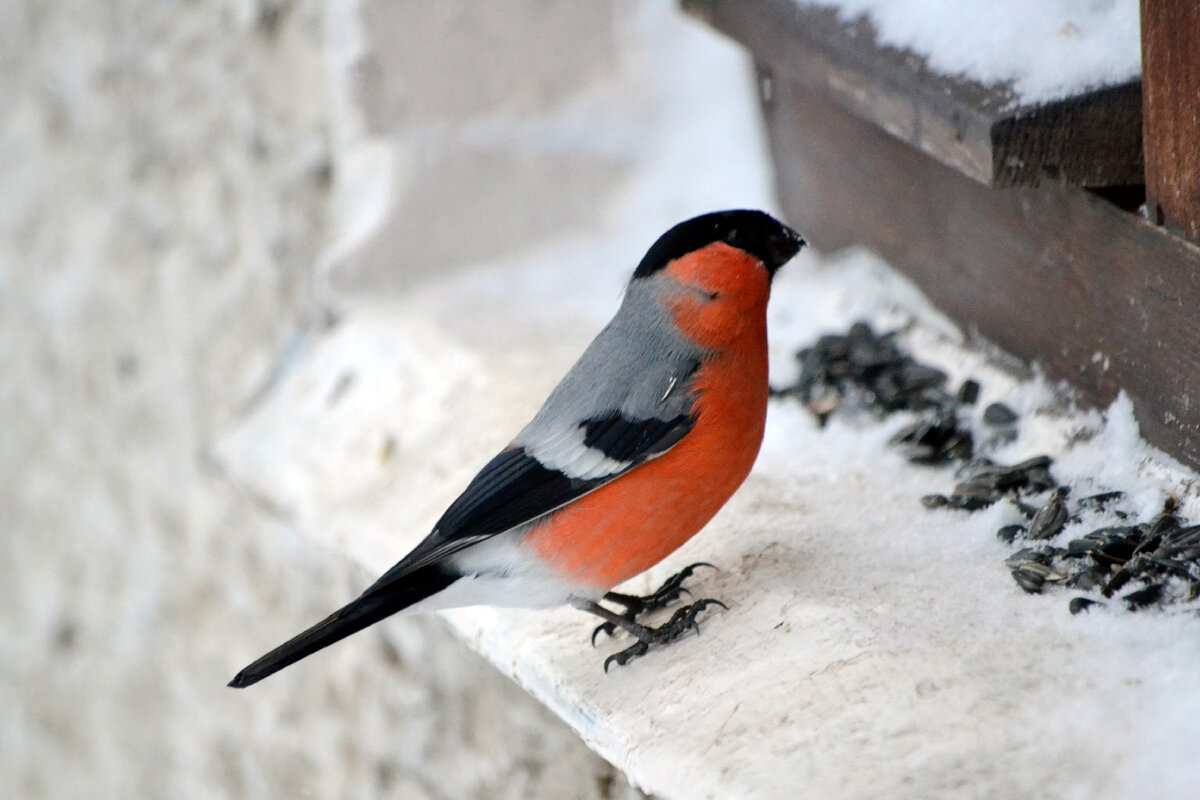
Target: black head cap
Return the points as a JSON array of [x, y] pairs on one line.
[[758, 233]]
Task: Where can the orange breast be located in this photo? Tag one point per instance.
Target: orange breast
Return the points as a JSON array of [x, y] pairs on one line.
[[634, 522]]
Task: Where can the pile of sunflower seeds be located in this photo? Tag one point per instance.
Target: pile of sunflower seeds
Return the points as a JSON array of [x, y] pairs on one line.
[[871, 371], [1159, 557]]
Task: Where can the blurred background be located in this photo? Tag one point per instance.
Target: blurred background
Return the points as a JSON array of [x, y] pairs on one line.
[[188, 190]]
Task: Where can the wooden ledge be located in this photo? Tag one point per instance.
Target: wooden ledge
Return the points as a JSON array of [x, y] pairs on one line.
[[985, 132]]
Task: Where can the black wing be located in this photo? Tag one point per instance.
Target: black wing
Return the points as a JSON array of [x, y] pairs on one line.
[[515, 487]]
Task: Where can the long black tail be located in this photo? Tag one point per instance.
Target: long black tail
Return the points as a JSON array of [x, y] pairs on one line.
[[368, 609]]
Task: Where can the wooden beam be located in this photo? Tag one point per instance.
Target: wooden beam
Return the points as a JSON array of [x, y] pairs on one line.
[[1171, 77], [1097, 296], [984, 132]]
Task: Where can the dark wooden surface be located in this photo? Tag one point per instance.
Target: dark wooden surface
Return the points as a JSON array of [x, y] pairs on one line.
[[983, 131], [1096, 295], [1094, 139], [1171, 68]]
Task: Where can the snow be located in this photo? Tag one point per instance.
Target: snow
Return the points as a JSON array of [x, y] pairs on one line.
[[1048, 49], [871, 647]]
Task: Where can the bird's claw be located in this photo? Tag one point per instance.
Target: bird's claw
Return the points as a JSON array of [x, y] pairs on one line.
[[608, 629], [663, 596], [638, 648], [638, 605], [672, 587], [685, 618], [682, 621]]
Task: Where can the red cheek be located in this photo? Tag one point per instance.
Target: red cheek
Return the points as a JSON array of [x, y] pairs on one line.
[[739, 286], [707, 323]]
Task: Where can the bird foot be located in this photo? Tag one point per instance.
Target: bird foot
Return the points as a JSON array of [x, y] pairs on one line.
[[682, 621], [638, 605]]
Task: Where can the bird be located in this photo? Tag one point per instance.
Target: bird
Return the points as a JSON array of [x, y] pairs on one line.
[[641, 443]]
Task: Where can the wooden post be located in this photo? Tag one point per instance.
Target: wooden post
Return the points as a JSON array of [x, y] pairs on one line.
[[1171, 112]]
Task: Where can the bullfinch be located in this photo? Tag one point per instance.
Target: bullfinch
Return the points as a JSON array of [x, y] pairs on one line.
[[646, 437]]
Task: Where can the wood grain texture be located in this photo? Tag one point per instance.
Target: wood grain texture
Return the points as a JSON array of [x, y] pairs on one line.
[[1093, 140], [1097, 296], [984, 132], [1171, 69]]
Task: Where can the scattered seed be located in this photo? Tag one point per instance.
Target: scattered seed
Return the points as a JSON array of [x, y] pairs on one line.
[[1079, 604], [1050, 518], [1102, 501], [862, 369], [998, 415], [1042, 555], [1088, 580], [1009, 533], [1144, 597], [968, 393], [1028, 579]]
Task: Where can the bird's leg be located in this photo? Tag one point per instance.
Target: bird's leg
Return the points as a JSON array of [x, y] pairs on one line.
[[683, 620], [663, 596], [637, 605]]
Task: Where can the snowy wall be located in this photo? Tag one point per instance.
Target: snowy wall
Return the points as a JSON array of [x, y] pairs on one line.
[[189, 193]]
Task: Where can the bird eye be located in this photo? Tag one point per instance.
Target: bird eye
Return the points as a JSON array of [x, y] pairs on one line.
[[713, 295]]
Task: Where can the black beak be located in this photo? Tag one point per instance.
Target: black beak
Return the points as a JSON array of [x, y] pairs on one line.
[[782, 248]]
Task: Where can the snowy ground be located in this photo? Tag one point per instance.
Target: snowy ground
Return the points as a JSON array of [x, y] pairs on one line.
[[871, 646]]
